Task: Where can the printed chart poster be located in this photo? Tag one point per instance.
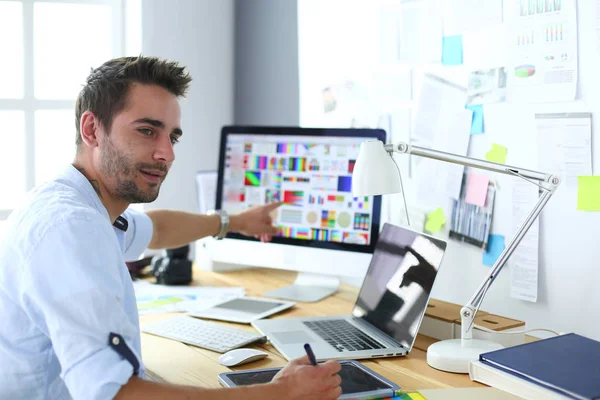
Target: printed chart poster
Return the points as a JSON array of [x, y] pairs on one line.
[[543, 46]]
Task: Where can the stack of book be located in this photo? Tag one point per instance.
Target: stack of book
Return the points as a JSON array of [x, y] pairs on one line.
[[562, 367]]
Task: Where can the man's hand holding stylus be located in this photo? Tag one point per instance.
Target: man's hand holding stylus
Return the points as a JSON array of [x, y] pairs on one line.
[[305, 381]]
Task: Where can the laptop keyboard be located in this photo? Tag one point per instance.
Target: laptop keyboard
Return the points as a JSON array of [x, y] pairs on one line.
[[342, 335]]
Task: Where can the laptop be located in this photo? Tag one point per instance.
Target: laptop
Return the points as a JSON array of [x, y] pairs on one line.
[[389, 309]]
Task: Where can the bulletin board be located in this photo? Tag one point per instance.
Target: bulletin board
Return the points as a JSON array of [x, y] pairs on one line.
[[511, 81]]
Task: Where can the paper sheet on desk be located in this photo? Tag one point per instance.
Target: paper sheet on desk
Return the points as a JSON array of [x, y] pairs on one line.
[[152, 298]]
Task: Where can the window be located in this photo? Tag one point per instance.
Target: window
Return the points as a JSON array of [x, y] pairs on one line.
[[52, 44]]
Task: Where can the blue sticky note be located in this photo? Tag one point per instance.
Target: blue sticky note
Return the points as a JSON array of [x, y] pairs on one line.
[[452, 50], [477, 121], [495, 247]]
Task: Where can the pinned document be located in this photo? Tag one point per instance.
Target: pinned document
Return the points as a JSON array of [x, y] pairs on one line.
[[497, 154], [495, 246], [435, 220], [477, 121], [588, 193]]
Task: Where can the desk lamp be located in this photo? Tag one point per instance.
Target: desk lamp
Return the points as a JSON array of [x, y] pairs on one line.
[[376, 173]]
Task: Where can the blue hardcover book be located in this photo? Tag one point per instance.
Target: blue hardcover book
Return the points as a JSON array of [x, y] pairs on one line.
[[568, 364]]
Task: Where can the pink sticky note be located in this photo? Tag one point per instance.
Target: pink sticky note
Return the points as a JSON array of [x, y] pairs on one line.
[[477, 188]]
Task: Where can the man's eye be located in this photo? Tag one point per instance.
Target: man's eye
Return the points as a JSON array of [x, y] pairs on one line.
[[145, 131], [174, 139]]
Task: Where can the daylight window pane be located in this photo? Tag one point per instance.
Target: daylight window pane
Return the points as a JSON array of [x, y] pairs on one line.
[[11, 50], [54, 142], [12, 162], [69, 40]]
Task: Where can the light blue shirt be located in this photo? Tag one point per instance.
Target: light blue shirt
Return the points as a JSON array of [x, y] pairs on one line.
[[64, 287]]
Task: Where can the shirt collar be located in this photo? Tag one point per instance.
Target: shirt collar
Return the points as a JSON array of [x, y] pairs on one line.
[[77, 180]]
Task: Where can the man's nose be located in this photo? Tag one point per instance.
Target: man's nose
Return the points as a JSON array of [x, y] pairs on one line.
[[164, 151]]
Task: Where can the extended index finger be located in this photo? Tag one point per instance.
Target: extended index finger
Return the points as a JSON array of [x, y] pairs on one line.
[[333, 367]]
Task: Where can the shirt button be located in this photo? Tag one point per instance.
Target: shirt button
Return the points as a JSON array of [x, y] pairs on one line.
[[116, 341]]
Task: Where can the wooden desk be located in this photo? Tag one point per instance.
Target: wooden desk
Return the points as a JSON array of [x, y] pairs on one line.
[[178, 363]]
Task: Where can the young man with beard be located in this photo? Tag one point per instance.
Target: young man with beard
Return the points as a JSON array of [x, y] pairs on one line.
[[64, 286]]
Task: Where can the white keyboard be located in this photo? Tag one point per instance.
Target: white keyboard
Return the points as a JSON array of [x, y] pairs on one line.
[[208, 335]]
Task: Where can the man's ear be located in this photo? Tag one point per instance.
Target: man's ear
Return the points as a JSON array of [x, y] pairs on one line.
[[90, 129]]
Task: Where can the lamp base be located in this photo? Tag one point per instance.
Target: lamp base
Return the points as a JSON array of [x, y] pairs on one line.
[[451, 356]]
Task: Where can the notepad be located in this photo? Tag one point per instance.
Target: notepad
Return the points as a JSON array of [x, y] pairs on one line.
[[567, 364]]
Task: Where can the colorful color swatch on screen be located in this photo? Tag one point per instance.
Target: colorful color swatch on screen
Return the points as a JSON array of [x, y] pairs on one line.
[[344, 184], [258, 162], [320, 234], [339, 199], [276, 180], [272, 196], [361, 202], [296, 179], [336, 236], [252, 178], [293, 197], [292, 148], [316, 199], [297, 164], [351, 165], [328, 219], [294, 232], [362, 221], [247, 147], [356, 238]]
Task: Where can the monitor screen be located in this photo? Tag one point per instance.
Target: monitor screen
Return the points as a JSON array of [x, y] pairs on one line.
[[396, 289], [310, 171]]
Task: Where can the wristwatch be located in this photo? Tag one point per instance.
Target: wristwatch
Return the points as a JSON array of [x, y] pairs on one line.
[[224, 222]]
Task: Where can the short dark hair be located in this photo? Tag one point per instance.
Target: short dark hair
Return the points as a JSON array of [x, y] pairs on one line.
[[106, 88]]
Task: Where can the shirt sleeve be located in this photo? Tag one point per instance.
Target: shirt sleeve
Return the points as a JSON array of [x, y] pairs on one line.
[[138, 235], [74, 290]]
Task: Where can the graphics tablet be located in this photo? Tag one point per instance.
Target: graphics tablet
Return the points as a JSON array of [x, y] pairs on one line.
[[358, 381], [243, 309]]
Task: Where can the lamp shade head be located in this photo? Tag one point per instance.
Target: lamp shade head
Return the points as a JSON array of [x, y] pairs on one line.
[[374, 171]]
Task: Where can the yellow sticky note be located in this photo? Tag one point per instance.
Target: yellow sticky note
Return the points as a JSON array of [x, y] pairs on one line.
[[588, 193], [435, 220], [497, 154]]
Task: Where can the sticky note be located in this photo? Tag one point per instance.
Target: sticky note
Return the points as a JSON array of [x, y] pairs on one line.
[[495, 246], [497, 154], [588, 193], [477, 121], [477, 189], [435, 220], [452, 50]]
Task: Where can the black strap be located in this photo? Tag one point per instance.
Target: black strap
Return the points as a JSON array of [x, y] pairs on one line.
[[118, 344], [121, 224]]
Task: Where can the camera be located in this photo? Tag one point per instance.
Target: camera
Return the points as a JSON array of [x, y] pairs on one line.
[[174, 268]]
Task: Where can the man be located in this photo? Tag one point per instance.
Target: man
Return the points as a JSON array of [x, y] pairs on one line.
[[64, 286]]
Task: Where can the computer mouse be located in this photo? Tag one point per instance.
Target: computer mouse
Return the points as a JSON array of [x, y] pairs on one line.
[[241, 356]]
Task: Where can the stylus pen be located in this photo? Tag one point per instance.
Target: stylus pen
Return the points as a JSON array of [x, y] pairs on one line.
[[310, 354]]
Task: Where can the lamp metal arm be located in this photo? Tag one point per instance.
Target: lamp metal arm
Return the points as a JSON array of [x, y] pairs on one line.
[[549, 184]]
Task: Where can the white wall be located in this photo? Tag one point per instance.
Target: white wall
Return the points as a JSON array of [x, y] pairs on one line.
[[569, 273], [199, 34], [569, 277]]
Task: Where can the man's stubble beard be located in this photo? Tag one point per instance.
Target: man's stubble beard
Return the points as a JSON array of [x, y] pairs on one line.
[[115, 164]]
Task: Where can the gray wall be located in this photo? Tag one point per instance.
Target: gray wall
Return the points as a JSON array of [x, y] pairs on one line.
[[266, 62], [199, 34]]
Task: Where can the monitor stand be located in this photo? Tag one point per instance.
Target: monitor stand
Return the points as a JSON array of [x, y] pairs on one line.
[[307, 288]]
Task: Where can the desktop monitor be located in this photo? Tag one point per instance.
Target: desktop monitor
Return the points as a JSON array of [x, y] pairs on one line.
[[323, 232]]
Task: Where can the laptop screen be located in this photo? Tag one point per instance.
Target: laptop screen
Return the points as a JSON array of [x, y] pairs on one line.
[[398, 284]]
